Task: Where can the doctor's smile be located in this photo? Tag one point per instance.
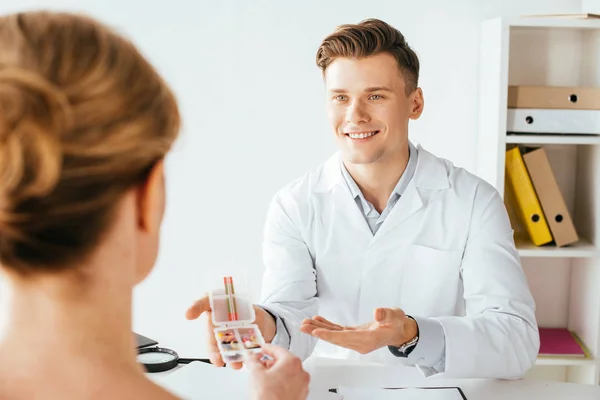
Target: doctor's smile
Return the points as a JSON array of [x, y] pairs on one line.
[[361, 136]]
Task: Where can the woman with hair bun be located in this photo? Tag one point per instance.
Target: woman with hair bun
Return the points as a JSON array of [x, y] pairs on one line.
[[85, 124]]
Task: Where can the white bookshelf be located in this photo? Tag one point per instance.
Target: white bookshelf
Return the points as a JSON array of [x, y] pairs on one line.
[[551, 139], [581, 249], [565, 282]]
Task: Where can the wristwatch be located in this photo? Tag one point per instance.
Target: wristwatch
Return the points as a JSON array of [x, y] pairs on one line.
[[406, 348]]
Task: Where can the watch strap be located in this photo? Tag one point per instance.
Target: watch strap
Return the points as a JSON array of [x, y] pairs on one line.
[[406, 348]]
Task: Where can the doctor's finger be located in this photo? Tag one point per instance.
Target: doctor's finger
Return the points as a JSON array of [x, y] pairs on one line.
[[235, 365], [325, 325], [388, 315], [342, 338], [305, 328], [198, 308], [308, 327], [213, 349], [322, 320]]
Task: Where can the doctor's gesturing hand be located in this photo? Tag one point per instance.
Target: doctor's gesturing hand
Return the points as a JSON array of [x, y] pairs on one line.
[[390, 327]]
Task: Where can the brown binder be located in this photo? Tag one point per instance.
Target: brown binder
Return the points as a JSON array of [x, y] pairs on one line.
[[551, 199], [554, 97]]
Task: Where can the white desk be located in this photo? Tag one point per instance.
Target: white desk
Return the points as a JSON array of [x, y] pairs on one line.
[[328, 373]]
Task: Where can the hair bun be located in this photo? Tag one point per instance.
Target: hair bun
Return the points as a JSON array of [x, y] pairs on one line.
[[34, 114]]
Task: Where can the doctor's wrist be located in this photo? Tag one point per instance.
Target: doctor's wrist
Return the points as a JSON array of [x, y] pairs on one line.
[[408, 331], [266, 323]]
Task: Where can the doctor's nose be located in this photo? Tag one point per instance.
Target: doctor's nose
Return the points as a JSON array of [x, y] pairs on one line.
[[355, 113]]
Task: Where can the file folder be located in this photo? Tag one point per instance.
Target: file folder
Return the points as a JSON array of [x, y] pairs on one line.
[[520, 234], [530, 120], [527, 202], [550, 197], [554, 97], [559, 342]]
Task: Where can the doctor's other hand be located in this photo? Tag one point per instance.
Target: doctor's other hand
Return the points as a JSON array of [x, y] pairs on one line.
[[280, 378], [264, 321], [391, 327]]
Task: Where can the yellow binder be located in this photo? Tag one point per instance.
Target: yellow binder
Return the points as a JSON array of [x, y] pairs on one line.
[[527, 201], [521, 236]]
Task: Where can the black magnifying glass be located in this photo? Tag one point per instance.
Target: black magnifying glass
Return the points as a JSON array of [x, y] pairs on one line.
[[159, 359]]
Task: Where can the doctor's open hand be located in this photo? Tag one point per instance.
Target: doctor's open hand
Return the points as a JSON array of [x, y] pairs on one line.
[[263, 320], [391, 327], [281, 378]]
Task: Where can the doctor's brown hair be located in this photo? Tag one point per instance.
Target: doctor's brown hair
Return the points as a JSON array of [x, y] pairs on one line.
[[83, 119], [368, 38]]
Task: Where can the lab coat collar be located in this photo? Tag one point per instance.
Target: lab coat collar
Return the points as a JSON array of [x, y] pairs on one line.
[[430, 173]]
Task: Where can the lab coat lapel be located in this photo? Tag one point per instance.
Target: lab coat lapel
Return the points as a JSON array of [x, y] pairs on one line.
[[409, 203], [332, 182], [430, 177], [348, 210]]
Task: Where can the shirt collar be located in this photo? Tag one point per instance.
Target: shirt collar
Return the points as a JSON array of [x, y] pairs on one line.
[[403, 182]]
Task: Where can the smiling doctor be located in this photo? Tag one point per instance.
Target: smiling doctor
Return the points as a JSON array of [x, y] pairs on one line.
[[387, 252]]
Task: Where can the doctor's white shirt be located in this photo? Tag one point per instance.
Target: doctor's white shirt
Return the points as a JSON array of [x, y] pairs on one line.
[[430, 347]]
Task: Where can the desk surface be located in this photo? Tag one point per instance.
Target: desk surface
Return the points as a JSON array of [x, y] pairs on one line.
[[327, 373]]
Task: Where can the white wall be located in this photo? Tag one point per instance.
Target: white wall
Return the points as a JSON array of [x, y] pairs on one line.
[[252, 103], [590, 6]]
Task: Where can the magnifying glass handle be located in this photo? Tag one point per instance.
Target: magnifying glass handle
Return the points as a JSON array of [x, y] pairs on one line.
[[189, 360]]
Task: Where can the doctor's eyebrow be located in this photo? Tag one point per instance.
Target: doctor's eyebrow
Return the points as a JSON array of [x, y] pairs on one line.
[[370, 89], [378, 89]]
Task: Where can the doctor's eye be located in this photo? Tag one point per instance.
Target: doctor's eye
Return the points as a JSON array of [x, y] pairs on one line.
[[375, 97], [340, 97]]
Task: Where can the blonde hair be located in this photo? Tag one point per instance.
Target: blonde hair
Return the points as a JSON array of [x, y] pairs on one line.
[[367, 38], [83, 118]]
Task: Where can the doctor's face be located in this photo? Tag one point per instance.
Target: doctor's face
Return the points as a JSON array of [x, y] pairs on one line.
[[368, 108]]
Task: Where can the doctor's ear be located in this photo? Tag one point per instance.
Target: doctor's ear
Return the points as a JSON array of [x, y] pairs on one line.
[[151, 200], [417, 102]]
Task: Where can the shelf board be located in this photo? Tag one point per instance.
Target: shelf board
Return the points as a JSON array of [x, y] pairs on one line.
[[581, 249], [564, 361], [552, 139], [554, 22]]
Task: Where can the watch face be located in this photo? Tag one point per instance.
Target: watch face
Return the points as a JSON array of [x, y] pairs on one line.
[[409, 345], [405, 349]]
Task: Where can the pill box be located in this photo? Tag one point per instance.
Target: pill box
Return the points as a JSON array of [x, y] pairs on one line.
[[233, 316]]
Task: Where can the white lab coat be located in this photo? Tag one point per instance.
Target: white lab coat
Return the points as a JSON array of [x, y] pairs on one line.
[[445, 251]]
